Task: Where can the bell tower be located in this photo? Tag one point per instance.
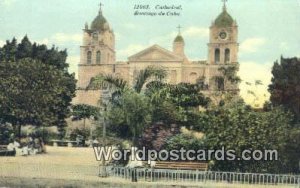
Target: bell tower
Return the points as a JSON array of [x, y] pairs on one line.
[[178, 44], [223, 37], [98, 45], [97, 49]]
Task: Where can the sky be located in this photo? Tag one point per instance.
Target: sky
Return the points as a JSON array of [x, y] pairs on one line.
[[267, 29]]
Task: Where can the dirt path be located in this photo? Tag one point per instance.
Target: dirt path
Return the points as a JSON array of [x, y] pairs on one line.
[[71, 167]]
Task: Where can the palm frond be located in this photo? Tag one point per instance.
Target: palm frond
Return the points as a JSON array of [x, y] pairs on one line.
[[107, 82], [251, 93], [258, 82], [248, 83], [151, 72]]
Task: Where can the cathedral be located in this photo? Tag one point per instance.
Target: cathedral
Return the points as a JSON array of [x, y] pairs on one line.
[[98, 56]]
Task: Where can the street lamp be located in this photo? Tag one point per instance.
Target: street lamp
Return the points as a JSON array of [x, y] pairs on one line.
[[105, 95]]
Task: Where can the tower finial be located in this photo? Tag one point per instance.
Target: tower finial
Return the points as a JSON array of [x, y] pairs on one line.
[[100, 9], [179, 29], [224, 4]]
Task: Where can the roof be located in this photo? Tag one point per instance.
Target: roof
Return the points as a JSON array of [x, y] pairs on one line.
[[179, 38], [155, 53], [224, 19], [99, 23]]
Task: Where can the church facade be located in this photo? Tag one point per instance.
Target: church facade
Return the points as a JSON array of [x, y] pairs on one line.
[[98, 56]]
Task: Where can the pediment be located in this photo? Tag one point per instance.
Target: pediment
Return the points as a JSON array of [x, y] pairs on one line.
[[155, 53]]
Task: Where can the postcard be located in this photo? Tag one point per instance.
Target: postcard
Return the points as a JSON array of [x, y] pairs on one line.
[[132, 93]]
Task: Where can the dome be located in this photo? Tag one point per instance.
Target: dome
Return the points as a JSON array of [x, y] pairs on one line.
[[224, 20], [99, 23], [179, 38]]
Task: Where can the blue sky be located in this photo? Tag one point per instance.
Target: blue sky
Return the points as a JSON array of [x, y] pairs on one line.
[[267, 28]]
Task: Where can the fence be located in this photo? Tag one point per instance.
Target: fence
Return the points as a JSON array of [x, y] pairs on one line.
[[164, 175]]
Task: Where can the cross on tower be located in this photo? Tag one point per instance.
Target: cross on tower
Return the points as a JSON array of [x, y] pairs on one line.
[[100, 5], [179, 27], [224, 1]]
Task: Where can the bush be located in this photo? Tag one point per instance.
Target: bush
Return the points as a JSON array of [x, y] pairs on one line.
[[6, 133], [187, 142], [47, 133], [238, 127], [77, 131]]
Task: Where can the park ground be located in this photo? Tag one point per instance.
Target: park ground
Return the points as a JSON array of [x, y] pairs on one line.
[[72, 167]]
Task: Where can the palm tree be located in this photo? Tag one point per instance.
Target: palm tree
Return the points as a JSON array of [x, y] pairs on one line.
[[119, 85], [121, 91]]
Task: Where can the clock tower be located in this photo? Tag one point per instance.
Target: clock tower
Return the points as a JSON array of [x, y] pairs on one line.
[[223, 45]]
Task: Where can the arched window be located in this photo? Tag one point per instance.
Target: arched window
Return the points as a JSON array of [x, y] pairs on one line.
[[95, 36], [89, 57], [217, 56], [193, 77], [227, 55], [98, 57]]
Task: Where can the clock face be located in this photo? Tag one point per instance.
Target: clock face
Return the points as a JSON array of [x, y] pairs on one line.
[[95, 35], [223, 35]]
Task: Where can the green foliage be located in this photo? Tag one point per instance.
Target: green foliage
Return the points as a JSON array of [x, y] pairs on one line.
[[238, 127], [159, 102], [176, 103], [24, 49], [9, 50], [166, 112], [145, 75], [12, 51], [35, 87], [182, 94], [46, 134], [291, 149], [229, 74], [6, 133], [285, 85], [34, 93], [187, 142], [107, 82], [133, 108], [133, 112], [226, 84], [84, 111], [83, 132]]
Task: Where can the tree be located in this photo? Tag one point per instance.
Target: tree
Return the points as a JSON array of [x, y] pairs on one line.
[[237, 127], [34, 93], [34, 90], [6, 133], [84, 111], [134, 111], [132, 107], [24, 49], [226, 83], [170, 104], [187, 142], [9, 50], [118, 85], [12, 51], [285, 85], [178, 103], [229, 75]]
